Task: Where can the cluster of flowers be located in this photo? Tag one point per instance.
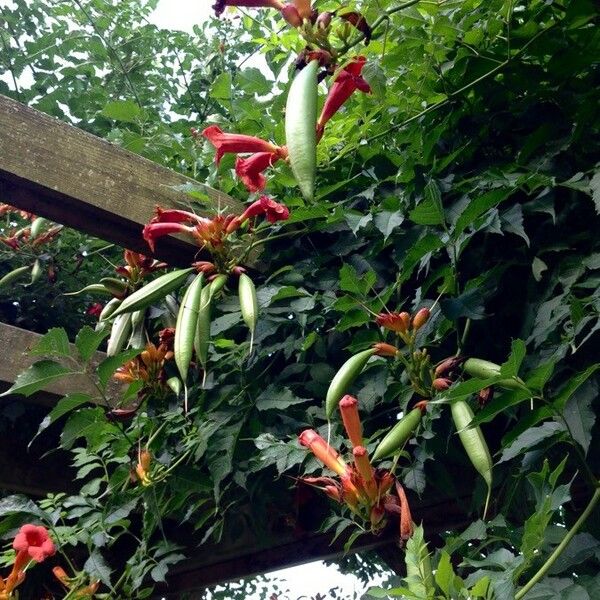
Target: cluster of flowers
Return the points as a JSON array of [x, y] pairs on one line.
[[264, 154], [365, 490], [21, 236], [210, 233]]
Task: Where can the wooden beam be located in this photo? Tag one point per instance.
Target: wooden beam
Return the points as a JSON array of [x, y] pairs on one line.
[[57, 171]]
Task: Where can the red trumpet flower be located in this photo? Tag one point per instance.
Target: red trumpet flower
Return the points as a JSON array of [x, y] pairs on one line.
[[250, 170], [398, 322], [324, 452], [236, 143], [272, 210], [342, 88]]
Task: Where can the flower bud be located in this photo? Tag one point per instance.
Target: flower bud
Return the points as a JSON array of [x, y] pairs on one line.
[[447, 365], [485, 395], [441, 384], [324, 20], [383, 349], [351, 419], [406, 524], [290, 13], [61, 575], [420, 318]]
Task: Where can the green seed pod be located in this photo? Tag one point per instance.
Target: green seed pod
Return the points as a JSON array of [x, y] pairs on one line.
[[174, 384], [36, 271], [119, 334], [185, 328], [138, 330], [14, 275], [37, 225], [248, 304], [109, 309], [93, 288], [343, 379], [217, 284], [484, 369], [474, 443], [400, 433], [300, 128], [116, 286], [153, 291], [202, 335]]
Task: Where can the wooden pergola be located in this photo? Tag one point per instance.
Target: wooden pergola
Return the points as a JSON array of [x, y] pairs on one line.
[[62, 173]]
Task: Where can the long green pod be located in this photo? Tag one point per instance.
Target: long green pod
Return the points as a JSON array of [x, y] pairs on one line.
[[14, 275], [185, 329], [37, 225], [484, 369], [301, 126], [119, 334], [116, 286], [399, 434], [109, 309], [343, 379], [153, 291], [202, 333], [138, 329], [36, 270], [474, 443], [217, 284], [248, 304], [93, 288]]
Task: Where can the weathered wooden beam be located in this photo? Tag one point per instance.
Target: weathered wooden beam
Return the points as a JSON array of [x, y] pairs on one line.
[[62, 173]]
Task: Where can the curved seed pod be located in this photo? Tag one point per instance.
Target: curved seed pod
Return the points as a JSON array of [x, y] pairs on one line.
[[301, 128], [94, 288], [484, 369], [119, 334], [217, 284], [202, 334], [37, 225], [14, 275], [343, 379], [138, 333], [153, 291], [399, 434], [185, 329], [474, 443], [174, 384], [36, 271], [116, 286], [248, 304], [109, 309]]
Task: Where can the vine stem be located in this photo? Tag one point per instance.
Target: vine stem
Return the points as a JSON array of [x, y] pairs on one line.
[[559, 549]]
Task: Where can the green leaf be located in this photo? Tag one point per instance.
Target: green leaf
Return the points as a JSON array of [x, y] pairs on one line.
[[531, 438], [386, 221], [88, 341], [470, 304], [444, 574], [417, 252], [419, 577], [478, 207], [64, 406], [572, 386], [511, 367], [279, 398], [221, 87], [83, 423], [109, 365], [53, 343], [37, 377], [20, 504], [122, 110], [430, 211], [95, 566], [580, 416]]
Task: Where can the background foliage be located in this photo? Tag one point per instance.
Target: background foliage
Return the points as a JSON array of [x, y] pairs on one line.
[[470, 173]]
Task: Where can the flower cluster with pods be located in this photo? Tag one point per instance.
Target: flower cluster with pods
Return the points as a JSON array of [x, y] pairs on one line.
[[216, 234], [368, 492], [263, 154], [38, 232], [32, 544]]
